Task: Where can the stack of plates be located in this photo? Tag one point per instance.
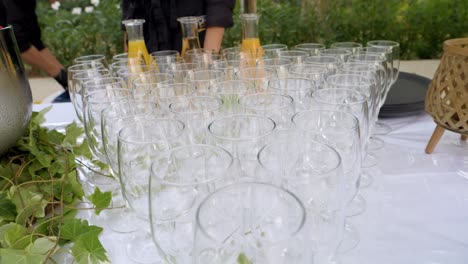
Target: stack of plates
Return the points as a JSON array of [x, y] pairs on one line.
[[406, 97]]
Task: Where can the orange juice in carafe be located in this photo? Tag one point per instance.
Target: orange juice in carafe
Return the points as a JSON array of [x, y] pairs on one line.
[[252, 47], [188, 44], [137, 48], [190, 39]]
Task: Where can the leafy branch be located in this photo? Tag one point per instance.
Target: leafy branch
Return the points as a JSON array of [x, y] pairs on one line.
[[39, 194]]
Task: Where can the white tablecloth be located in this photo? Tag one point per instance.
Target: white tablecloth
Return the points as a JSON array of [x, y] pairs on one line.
[[417, 206]]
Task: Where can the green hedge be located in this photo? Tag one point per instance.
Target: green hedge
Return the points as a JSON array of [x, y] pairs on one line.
[[420, 26]]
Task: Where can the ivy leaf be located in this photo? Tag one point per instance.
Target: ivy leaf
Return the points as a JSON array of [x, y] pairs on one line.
[[242, 259], [28, 203], [83, 150], [13, 234], [74, 228], [88, 250], [100, 200], [20, 256], [73, 131], [38, 118], [7, 208], [42, 245]]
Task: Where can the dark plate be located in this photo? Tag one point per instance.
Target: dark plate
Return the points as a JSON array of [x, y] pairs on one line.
[[406, 97]]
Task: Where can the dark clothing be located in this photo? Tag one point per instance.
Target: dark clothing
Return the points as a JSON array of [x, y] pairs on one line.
[[161, 29], [22, 16]]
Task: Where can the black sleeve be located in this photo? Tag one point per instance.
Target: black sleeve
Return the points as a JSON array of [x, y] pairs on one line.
[[219, 13], [132, 9], [21, 15]]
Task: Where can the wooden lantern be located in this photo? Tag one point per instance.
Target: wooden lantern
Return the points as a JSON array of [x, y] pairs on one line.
[[447, 96]]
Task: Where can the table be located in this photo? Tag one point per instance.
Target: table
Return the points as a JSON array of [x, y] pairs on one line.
[[417, 206]]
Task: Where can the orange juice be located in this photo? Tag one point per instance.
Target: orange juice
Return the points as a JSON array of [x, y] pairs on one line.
[[188, 44], [252, 46], [139, 47]]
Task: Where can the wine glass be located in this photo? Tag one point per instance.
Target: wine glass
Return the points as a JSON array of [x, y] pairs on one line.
[[311, 48], [230, 92], [179, 71], [280, 65], [229, 67], [278, 107], [317, 73], [169, 93], [295, 56], [203, 79], [113, 118], [197, 112], [342, 54], [258, 76], [95, 59], [242, 135], [300, 89], [143, 84], [178, 183], [347, 45], [331, 62], [273, 50], [139, 144], [251, 223], [339, 130]]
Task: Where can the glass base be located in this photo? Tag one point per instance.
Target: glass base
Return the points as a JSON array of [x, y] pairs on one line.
[[356, 207], [141, 249], [381, 129], [375, 144], [350, 240], [369, 161]]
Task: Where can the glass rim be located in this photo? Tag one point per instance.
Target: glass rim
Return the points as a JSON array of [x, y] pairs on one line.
[[248, 85], [325, 56], [105, 112], [351, 116], [365, 80], [338, 51], [242, 139], [383, 43], [147, 123], [275, 46], [346, 44], [367, 57], [310, 46], [91, 57], [237, 185], [77, 75], [202, 71], [117, 80], [184, 99], [133, 22], [322, 68], [264, 69], [325, 174], [344, 89], [284, 96], [188, 19], [172, 86], [86, 98], [94, 65], [287, 79], [151, 80], [193, 183]]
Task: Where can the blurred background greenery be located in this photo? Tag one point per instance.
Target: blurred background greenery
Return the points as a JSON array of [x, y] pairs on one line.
[[420, 26]]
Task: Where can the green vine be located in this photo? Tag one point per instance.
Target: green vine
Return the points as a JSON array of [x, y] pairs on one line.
[[39, 195]]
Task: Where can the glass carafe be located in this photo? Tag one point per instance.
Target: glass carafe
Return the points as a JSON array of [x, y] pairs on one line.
[[250, 40], [190, 38], [136, 42]]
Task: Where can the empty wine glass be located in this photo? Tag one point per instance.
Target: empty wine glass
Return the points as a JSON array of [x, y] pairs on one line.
[[295, 56], [203, 79], [258, 76], [230, 92], [251, 223], [178, 183], [139, 144], [197, 112], [331, 62], [311, 48], [95, 59], [342, 54], [242, 135], [144, 84], [317, 73], [273, 50], [339, 130], [347, 45], [170, 93], [300, 89], [230, 67], [280, 65], [278, 107]]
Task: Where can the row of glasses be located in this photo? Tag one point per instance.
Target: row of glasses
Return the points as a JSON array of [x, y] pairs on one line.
[[259, 112]]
